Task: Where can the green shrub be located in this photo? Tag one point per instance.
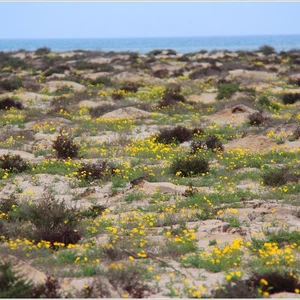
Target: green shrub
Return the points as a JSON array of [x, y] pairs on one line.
[[42, 51], [267, 50], [11, 84], [226, 90], [106, 81], [65, 147], [189, 166], [12, 285]]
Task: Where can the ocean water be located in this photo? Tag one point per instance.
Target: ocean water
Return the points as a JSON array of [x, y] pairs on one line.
[[144, 45]]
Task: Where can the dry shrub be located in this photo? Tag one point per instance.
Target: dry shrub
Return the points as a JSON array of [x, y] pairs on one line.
[[65, 147], [190, 165], [277, 177], [100, 170], [13, 163], [8, 103], [256, 118]]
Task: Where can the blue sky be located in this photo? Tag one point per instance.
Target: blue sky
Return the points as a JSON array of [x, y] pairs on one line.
[[147, 19]]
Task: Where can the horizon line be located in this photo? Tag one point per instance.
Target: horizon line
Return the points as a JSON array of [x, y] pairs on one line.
[[150, 37]]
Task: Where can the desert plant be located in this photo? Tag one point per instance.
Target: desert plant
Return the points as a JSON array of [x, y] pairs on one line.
[[15, 63], [65, 147], [42, 51], [212, 142], [296, 133], [171, 96], [100, 170], [178, 134], [236, 289], [188, 166], [11, 84], [106, 81], [226, 90], [279, 176], [128, 86], [13, 163], [12, 284], [8, 103], [267, 50], [162, 73], [52, 220], [256, 118], [290, 98], [117, 94]]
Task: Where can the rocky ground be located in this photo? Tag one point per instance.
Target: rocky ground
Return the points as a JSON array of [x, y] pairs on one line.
[[156, 175]]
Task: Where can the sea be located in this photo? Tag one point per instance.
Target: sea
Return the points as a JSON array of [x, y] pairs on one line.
[[145, 45]]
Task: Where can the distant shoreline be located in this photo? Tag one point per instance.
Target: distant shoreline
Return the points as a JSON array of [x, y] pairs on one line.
[[145, 45]]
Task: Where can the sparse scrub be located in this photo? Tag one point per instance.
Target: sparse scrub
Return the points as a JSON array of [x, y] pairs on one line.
[[101, 170], [42, 51], [279, 176], [13, 163], [225, 91], [290, 98], [65, 147], [256, 118], [8, 103], [11, 84], [267, 50], [189, 166], [179, 134]]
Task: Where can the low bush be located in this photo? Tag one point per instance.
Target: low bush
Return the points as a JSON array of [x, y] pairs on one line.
[[117, 95], [131, 87], [267, 50], [106, 81], [100, 170], [60, 69], [42, 51], [296, 133], [8, 103], [172, 95], [11, 84], [226, 90], [189, 166], [212, 142], [179, 134], [51, 219], [13, 163], [290, 98], [15, 63], [65, 147], [162, 73], [277, 177], [13, 285], [256, 118], [100, 110]]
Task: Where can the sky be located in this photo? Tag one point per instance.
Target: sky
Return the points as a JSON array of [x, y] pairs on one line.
[[146, 19]]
